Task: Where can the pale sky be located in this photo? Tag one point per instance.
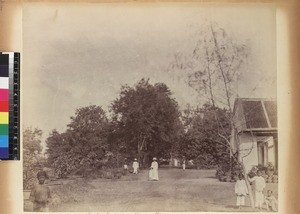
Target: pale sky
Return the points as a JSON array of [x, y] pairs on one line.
[[75, 55]]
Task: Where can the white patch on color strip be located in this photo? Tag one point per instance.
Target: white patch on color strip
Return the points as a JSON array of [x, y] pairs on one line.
[[4, 82]]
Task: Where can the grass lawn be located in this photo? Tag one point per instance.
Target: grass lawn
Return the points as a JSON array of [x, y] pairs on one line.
[[177, 190]]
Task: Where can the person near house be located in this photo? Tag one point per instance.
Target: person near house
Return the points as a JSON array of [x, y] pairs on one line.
[[183, 165], [153, 173], [135, 166], [271, 201], [40, 195], [259, 185], [241, 191]]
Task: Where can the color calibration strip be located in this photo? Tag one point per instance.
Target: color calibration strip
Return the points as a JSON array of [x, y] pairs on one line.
[[9, 106]]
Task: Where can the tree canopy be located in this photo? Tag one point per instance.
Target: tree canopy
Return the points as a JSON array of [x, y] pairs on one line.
[[147, 118], [201, 142], [83, 144]]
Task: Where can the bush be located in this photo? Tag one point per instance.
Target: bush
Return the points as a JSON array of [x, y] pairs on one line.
[[106, 173], [228, 171], [29, 177]]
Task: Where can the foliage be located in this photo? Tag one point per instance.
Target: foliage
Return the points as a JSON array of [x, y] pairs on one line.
[[32, 160], [201, 142], [147, 120], [83, 144], [228, 170]]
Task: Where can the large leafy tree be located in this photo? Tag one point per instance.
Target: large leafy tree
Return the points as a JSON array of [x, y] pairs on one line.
[[201, 142], [83, 144], [147, 119]]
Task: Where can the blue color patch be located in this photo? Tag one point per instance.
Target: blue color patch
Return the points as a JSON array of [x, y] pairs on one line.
[[3, 152], [3, 141]]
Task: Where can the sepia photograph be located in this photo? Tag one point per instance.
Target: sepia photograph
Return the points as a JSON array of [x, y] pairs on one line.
[[154, 107]]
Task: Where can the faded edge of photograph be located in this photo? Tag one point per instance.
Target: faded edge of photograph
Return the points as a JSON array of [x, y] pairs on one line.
[[149, 108]]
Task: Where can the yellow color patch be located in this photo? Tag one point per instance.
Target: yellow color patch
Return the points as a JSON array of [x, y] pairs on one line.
[[3, 117]]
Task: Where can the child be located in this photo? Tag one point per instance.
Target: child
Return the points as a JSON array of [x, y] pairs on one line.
[[125, 166], [260, 184], [241, 191], [40, 194], [271, 201]]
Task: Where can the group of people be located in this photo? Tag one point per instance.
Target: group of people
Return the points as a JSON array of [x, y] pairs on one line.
[[153, 171], [259, 186]]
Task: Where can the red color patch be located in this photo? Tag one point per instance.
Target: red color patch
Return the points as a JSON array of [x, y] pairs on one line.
[[4, 106]]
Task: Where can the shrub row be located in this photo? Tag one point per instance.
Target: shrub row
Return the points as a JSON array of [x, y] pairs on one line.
[[102, 173]]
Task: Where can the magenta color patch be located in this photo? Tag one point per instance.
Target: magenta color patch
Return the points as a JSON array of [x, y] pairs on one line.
[[4, 94]]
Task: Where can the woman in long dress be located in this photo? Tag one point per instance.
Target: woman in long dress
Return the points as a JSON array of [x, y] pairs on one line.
[[135, 166], [153, 173]]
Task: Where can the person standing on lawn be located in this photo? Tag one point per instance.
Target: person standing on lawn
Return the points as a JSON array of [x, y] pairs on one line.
[[241, 191], [40, 195], [135, 166], [125, 166], [183, 165], [259, 185], [154, 170]]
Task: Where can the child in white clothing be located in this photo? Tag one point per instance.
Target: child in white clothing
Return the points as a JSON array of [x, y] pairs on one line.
[[241, 191], [259, 186], [271, 201]]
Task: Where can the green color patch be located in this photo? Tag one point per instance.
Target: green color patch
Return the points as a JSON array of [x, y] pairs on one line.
[[3, 129]]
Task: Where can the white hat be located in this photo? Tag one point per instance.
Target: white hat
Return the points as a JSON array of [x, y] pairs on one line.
[[135, 159], [154, 158]]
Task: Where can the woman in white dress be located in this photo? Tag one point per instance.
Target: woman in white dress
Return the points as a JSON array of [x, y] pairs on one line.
[[135, 166], [153, 173]]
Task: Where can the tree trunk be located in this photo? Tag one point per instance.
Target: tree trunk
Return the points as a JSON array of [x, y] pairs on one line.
[[240, 159], [171, 159], [146, 159], [248, 185]]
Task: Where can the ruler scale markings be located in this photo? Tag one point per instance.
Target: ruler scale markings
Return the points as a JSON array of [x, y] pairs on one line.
[[4, 120], [10, 109]]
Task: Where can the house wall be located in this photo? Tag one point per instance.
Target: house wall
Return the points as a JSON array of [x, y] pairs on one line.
[[248, 150], [270, 149]]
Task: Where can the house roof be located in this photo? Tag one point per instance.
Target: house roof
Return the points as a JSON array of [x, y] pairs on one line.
[[255, 114]]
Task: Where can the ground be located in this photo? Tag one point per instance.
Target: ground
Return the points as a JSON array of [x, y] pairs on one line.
[[177, 190]]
